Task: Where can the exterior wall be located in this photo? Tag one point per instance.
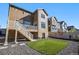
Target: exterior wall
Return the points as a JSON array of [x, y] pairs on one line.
[[55, 23], [15, 14], [35, 18], [42, 30], [58, 27], [64, 27]]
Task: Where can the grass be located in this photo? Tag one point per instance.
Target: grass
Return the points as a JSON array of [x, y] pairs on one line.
[[48, 46]]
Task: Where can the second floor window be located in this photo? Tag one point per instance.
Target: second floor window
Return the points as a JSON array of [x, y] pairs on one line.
[[42, 24], [54, 27], [42, 16], [27, 22]]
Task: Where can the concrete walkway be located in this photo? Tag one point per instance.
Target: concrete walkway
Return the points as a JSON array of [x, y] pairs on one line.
[[23, 49], [19, 49], [72, 49]]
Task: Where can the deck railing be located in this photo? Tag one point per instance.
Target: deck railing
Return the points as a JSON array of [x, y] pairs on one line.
[[30, 27], [23, 30]]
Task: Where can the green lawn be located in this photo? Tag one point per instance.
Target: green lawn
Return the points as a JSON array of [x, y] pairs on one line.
[[48, 46]]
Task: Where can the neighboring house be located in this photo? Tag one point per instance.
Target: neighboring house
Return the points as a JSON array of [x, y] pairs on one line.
[[72, 29], [56, 27], [53, 24], [63, 26], [26, 24], [59, 27]]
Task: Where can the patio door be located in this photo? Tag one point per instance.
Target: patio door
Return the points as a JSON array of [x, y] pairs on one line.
[[43, 35]]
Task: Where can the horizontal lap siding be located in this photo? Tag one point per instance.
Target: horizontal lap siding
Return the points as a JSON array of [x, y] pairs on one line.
[[15, 14], [11, 22]]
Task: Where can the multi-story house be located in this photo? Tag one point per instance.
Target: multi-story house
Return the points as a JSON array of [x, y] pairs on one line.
[[63, 26], [70, 27], [25, 24], [54, 25]]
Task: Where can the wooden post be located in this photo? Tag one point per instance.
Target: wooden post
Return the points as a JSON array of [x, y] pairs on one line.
[[6, 38], [15, 25], [16, 35]]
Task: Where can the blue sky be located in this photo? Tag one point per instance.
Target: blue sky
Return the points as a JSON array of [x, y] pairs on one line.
[[63, 11]]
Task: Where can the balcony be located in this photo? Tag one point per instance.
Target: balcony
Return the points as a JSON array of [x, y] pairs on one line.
[[31, 28]]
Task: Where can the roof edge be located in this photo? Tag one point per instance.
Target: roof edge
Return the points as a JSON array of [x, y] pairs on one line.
[[19, 8]]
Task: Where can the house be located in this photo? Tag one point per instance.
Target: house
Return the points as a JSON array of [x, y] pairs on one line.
[[25, 24], [70, 27], [63, 26], [56, 28], [53, 24]]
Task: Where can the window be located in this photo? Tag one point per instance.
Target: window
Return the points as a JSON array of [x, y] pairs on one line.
[[27, 22], [42, 16], [54, 27], [42, 25]]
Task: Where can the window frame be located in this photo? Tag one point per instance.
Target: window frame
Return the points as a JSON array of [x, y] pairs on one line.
[[54, 27], [43, 16], [43, 25]]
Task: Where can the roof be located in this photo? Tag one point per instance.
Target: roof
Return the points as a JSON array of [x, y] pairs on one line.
[[54, 17], [10, 5], [61, 22], [26, 10], [43, 10], [70, 27]]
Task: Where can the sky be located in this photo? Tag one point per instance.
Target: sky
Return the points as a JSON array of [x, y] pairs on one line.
[[68, 12]]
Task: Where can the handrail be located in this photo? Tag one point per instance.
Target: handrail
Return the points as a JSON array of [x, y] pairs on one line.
[[27, 27], [30, 27], [23, 28]]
